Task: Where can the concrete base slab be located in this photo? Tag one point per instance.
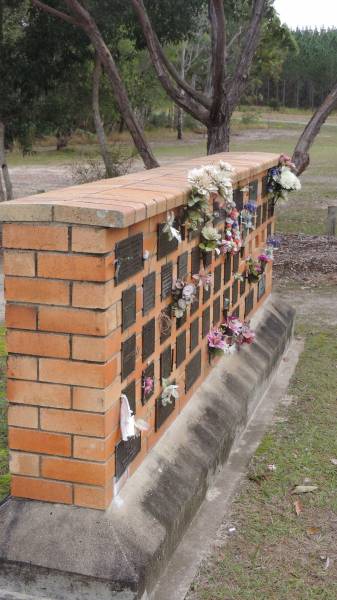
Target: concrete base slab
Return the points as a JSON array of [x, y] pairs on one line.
[[70, 553]]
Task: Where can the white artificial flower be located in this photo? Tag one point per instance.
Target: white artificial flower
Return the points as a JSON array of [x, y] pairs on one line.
[[225, 166], [288, 180], [169, 228]]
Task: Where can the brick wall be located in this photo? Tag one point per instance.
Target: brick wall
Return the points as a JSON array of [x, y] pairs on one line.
[[83, 328]]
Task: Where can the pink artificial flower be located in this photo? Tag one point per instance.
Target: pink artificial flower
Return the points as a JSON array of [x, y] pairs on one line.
[[264, 258], [216, 340], [248, 336], [233, 325], [203, 279], [148, 385]]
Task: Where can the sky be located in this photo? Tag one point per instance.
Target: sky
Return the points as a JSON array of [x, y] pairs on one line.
[[307, 13]]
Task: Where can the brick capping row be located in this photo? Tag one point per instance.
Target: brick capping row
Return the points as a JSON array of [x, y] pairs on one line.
[[83, 317]]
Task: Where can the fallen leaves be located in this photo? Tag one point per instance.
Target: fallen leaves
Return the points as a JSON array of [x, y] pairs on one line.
[[304, 489], [298, 506]]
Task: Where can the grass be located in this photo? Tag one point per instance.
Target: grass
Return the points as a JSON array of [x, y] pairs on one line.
[[4, 476], [277, 555]]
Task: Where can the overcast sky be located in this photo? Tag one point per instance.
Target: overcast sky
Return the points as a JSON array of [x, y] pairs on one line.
[[307, 13]]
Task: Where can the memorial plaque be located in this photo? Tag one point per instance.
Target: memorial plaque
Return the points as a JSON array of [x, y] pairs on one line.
[[128, 307], [206, 294], [249, 302], [166, 363], [182, 265], [163, 412], [217, 278], [242, 251], [193, 371], [236, 262], [149, 292], [166, 326], [130, 393], [264, 211], [166, 280], [219, 213], [271, 207], [261, 286], [259, 215], [125, 453], [235, 292], [180, 348], [236, 312], [227, 295], [148, 372], [238, 198], [195, 304], [269, 230], [206, 321], [207, 259], [128, 356], [264, 186], [216, 310], [228, 268], [129, 257], [164, 245], [242, 286], [195, 260], [253, 190], [194, 334], [181, 320], [193, 235], [148, 339]]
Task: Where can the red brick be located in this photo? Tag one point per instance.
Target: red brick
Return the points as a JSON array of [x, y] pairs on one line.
[[74, 320], [92, 497], [69, 421], [23, 416], [30, 440], [78, 373], [19, 263], [41, 394], [97, 400], [40, 344], [75, 267], [23, 463], [41, 489], [77, 471], [96, 349], [24, 317], [90, 448], [22, 367], [38, 291], [93, 240], [35, 237]]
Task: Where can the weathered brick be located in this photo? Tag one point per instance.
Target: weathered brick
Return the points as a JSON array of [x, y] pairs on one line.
[[96, 349], [22, 463], [97, 400], [30, 440], [41, 394], [75, 267], [81, 423], [67, 469], [39, 344], [74, 320], [41, 489], [23, 416], [93, 497], [24, 317], [38, 291], [93, 240], [90, 448], [22, 367], [95, 295], [35, 237], [19, 263], [78, 373]]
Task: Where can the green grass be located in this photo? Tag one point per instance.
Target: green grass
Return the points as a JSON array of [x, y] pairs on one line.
[[275, 554], [4, 476]]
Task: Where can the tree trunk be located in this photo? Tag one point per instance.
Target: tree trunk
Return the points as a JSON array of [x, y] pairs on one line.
[[179, 117], [4, 168], [301, 153], [218, 137], [62, 140], [107, 159]]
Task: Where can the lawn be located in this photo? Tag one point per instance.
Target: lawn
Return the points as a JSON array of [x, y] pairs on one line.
[[275, 553]]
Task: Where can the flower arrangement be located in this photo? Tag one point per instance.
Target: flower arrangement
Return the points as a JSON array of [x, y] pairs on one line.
[[210, 239], [232, 241], [248, 216], [253, 270], [231, 334], [273, 244], [264, 259], [148, 386], [183, 296], [170, 392], [203, 279], [282, 179], [170, 229]]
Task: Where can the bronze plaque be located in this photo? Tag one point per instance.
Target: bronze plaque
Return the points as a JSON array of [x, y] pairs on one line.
[[195, 304], [164, 245], [217, 278], [125, 453], [236, 262], [195, 260], [166, 363], [128, 307], [180, 348], [249, 302], [130, 393], [166, 280], [238, 198], [162, 412], [261, 286], [206, 321], [235, 292], [228, 268], [269, 230], [216, 311], [129, 257], [207, 259], [148, 339], [242, 286], [264, 186], [181, 320], [206, 294], [253, 190], [264, 211], [259, 215], [149, 292], [128, 356], [166, 324], [194, 334], [193, 371], [183, 265]]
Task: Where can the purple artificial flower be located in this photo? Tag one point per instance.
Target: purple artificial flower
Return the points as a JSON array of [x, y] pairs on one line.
[[264, 258], [251, 207], [273, 241], [216, 340], [148, 385], [234, 325]]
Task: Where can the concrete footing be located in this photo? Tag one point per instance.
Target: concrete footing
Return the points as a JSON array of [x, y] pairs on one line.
[[68, 553]]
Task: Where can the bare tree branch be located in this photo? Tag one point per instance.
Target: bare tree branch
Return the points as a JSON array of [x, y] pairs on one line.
[[252, 35], [301, 153], [218, 34], [231, 42], [55, 13], [184, 95]]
